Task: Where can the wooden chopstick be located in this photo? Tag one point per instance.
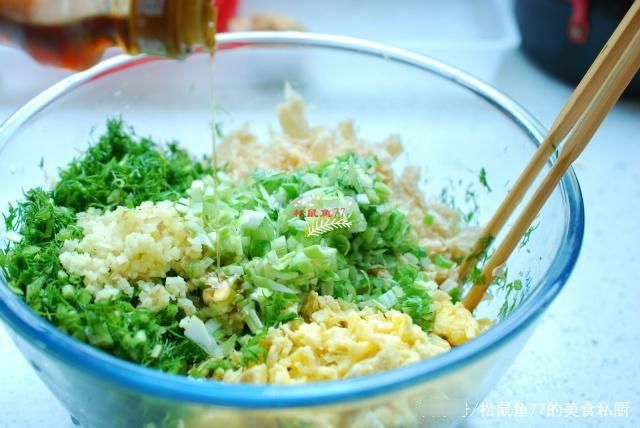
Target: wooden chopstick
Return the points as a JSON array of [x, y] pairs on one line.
[[565, 120], [596, 95]]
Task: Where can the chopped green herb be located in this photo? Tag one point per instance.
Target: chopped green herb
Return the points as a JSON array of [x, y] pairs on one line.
[[123, 170], [471, 199], [456, 295], [476, 276], [512, 292], [527, 236], [483, 179], [218, 130]]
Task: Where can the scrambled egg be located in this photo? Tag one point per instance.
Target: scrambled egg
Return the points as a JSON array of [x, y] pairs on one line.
[[454, 322], [336, 341]]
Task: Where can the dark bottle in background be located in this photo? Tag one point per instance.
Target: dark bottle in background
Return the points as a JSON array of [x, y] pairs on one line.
[[563, 37]]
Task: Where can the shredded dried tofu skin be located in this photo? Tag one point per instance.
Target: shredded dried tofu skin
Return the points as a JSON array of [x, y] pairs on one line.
[[299, 144]]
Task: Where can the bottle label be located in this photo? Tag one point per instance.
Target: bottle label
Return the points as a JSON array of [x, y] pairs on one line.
[[150, 7], [152, 47]]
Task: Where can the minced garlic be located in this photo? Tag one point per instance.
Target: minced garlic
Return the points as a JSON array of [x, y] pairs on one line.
[[131, 248]]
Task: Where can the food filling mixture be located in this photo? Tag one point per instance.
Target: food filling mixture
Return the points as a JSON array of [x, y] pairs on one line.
[[331, 266]]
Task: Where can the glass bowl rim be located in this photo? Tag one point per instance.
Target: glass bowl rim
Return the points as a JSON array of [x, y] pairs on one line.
[[132, 377]]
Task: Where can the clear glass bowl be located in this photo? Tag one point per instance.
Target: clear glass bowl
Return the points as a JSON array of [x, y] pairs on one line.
[[452, 125]]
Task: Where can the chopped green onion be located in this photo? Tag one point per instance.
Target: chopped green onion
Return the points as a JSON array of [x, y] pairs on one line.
[[279, 245], [443, 263], [429, 219], [250, 317]]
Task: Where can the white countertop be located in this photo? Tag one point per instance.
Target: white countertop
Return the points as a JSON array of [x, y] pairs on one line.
[[585, 350]]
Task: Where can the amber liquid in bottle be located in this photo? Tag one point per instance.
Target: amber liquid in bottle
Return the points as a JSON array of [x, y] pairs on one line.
[[170, 28], [59, 44]]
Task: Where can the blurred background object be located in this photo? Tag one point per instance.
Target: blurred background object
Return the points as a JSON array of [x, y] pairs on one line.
[[227, 10], [563, 37], [265, 21]]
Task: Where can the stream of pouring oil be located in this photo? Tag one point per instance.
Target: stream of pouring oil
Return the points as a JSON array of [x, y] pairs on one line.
[[214, 154]]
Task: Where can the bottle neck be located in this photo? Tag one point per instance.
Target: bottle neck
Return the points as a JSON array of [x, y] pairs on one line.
[[170, 28]]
